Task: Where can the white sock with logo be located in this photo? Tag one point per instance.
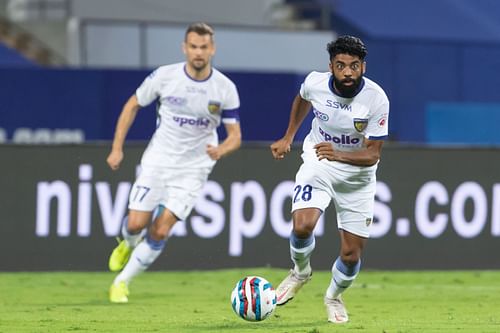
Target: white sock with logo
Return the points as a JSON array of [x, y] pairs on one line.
[[141, 258]]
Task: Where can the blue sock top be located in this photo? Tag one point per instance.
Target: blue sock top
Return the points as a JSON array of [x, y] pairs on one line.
[[347, 270], [300, 243]]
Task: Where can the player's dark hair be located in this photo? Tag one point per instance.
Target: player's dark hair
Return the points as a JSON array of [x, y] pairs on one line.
[[347, 45], [200, 28]]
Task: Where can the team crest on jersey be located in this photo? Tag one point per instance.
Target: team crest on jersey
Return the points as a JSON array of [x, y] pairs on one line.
[[214, 106], [368, 221], [360, 124]]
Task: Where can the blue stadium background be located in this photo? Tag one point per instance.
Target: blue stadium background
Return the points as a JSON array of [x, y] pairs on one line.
[[437, 60]]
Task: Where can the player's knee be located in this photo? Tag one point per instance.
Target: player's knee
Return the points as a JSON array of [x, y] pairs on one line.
[[134, 226], [303, 229], [160, 229], [350, 258], [304, 221], [158, 234]]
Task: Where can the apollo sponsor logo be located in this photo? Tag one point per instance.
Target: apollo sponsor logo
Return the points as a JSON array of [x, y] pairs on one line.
[[197, 122], [342, 139]]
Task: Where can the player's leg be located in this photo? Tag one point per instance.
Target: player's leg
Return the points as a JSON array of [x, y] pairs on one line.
[[136, 222], [177, 199], [302, 240], [302, 244], [133, 230], [144, 197], [146, 252], [311, 196], [354, 202], [345, 269]]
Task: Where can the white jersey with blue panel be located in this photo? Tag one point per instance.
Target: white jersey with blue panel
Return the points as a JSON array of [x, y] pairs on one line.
[[189, 113], [344, 121]]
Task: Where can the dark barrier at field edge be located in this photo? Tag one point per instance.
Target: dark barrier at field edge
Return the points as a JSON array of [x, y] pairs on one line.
[[62, 206]]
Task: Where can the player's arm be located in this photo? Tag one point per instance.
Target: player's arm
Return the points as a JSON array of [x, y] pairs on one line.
[[367, 156], [300, 108], [125, 120], [230, 144]]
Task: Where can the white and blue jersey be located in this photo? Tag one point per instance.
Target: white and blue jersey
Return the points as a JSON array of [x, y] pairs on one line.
[[189, 113], [344, 121]]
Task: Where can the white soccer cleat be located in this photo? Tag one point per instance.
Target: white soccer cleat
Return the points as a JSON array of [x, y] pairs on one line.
[[336, 311], [289, 287]]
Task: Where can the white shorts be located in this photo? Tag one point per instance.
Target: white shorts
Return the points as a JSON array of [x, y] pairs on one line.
[[353, 193], [176, 189]]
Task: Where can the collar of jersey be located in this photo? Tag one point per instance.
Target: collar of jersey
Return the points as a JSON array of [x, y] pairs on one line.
[[193, 79], [332, 89]]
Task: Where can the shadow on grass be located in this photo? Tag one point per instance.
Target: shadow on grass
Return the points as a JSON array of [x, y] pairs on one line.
[[240, 326]]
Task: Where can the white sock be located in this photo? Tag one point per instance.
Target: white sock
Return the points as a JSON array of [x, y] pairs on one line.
[[131, 239], [301, 257], [141, 258], [342, 278]]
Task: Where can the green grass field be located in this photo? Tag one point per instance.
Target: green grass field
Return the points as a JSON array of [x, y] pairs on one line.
[[198, 301]]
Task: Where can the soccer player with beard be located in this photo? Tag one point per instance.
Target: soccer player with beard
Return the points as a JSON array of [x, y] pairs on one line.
[[193, 99], [340, 158]]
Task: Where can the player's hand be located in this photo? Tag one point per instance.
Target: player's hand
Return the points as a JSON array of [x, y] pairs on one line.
[[114, 159], [215, 152], [325, 150], [280, 148]]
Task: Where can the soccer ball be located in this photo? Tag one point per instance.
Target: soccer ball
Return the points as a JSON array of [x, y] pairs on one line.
[[253, 298]]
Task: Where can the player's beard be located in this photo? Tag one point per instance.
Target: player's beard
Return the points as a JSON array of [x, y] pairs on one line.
[[199, 65], [347, 91]]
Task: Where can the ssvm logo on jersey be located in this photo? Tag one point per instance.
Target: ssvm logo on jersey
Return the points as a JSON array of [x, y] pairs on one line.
[[360, 124], [214, 106]]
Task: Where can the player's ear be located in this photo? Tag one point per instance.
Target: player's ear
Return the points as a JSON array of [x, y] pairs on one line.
[[184, 46], [330, 66], [214, 48], [364, 67]]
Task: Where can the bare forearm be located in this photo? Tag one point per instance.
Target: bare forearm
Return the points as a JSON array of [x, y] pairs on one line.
[[230, 144], [300, 109], [367, 156], [362, 157], [232, 141], [124, 123]]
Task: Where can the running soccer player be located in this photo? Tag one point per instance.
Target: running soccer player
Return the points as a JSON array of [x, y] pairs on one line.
[[194, 98], [340, 158]]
